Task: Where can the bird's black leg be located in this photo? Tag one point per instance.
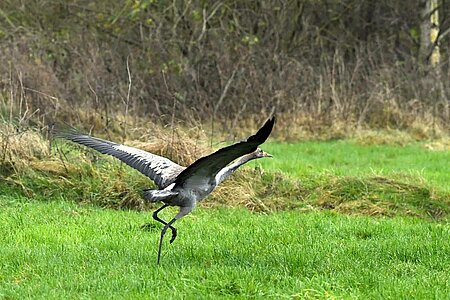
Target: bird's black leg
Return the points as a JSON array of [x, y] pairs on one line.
[[155, 216], [184, 210], [163, 232]]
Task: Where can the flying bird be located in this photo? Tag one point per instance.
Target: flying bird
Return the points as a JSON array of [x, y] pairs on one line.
[[180, 186]]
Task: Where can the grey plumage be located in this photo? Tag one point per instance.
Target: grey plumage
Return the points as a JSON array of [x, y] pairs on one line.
[[180, 186], [161, 170]]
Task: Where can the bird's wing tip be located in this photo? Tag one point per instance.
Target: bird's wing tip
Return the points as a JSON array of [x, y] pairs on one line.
[[63, 131], [270, 122], [263, 132]]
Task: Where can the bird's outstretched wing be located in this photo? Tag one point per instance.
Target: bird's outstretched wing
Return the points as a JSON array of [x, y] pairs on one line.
[[209, 166], [161, 170]]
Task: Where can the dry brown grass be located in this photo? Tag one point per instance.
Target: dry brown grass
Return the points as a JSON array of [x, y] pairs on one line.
[[383, 196], [26, 144], [383, 137], [19, 148], [442, 144], [180, 145], [301, 126]]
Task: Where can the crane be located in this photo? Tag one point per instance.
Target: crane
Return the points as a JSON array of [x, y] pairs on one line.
[[177, 185]]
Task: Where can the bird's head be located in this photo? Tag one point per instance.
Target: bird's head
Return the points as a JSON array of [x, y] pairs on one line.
[[259, 153]]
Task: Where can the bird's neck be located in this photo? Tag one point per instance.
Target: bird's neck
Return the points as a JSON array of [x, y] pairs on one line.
[[228, 170], [243, 159]]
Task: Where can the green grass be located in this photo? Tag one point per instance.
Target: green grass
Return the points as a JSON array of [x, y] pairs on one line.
[[53, 247], [346, 158], [61, 250]]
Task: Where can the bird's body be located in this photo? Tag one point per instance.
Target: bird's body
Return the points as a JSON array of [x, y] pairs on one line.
[[181, 186]]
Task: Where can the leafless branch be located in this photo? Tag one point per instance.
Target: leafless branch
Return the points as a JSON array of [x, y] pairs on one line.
[[127, 100]]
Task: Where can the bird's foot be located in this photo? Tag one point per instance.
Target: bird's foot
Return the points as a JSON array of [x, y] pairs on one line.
[[153, 226], [174, 235]]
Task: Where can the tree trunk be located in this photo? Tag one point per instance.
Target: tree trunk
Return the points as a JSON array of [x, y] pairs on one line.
[[434, 18], [429, 30]]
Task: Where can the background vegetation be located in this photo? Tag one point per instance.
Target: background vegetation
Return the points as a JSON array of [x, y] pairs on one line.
[[108, 64]]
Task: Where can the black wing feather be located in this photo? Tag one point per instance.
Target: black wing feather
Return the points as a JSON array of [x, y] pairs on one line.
[[209, 166]]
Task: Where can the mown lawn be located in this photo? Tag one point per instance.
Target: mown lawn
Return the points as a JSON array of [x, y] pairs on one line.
[[62, 250]]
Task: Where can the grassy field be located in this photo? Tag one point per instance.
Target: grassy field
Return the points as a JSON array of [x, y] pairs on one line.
[[53, 247], [62, 250], [344, 158]]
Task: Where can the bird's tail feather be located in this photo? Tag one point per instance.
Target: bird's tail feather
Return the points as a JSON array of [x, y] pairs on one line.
[[158, 195]]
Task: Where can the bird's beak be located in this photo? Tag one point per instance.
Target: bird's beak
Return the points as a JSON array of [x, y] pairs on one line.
[[265, 154]]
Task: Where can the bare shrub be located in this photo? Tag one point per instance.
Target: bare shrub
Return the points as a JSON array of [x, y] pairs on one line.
[[328, 63]]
